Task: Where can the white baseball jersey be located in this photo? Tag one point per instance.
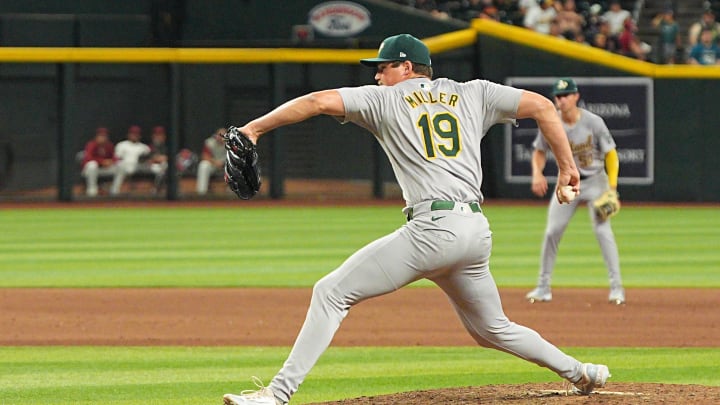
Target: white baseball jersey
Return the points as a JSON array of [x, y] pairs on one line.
[[431, 131], [129, 154]]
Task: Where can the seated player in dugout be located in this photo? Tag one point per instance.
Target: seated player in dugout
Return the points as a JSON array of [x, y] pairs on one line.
[[98, 160]]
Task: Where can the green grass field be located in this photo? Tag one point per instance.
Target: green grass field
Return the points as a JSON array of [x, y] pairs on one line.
[[289, 247], [241, 246], [200, 375]]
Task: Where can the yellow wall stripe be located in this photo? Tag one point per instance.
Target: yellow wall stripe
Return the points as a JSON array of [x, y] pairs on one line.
[[183, 55], [437, 44], [589, 54]]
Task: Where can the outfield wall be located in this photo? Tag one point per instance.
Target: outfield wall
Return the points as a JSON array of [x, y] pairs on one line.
[[192, 92]]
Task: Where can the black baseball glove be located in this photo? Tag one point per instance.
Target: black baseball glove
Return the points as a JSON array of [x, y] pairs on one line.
[[242, 173]]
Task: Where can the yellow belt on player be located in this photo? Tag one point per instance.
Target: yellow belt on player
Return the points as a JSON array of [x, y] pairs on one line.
[[440, 205]]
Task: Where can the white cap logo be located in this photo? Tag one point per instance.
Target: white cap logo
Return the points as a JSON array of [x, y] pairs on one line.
[[403, 55], [562, 85]]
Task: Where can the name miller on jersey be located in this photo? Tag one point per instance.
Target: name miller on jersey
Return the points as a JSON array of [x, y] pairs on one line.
[[426, 97]]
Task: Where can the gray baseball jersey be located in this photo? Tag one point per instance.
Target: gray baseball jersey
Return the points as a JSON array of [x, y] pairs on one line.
[[431, 132], [590, 141]]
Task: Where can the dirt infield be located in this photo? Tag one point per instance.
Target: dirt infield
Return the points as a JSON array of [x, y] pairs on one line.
[[412, 316]]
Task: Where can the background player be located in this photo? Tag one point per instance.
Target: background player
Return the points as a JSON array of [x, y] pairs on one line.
[[596, 158], [128, 154], [212, 160], [98, 160], [431, 131]]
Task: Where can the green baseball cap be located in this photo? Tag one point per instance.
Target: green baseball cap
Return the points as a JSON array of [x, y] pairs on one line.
[[564, 85], [401, 48]]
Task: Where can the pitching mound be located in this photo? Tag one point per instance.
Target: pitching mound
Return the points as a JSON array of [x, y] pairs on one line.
[[551, 393]]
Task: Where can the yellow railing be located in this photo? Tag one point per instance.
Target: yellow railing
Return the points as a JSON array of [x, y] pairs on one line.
[[437, 44], [589, 54]]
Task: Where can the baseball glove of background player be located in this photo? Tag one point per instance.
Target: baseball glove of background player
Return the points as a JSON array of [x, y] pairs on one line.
[[242, 173], [607, 205]]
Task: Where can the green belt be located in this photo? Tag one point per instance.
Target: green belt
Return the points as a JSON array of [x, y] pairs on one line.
[[440, 205]]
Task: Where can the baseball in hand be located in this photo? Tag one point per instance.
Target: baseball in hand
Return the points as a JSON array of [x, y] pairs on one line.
[[567, 194]]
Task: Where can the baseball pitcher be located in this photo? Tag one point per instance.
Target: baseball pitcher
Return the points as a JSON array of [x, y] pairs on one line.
[[431, 130]]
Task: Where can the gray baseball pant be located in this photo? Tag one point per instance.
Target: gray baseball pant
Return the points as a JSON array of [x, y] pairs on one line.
[[558, 218], [451, 248]]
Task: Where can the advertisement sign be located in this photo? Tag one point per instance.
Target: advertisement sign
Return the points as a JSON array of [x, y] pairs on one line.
[[624, 103], [339, 18]]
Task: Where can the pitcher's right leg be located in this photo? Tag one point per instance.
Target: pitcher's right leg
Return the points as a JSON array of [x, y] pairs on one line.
[[474, 295]]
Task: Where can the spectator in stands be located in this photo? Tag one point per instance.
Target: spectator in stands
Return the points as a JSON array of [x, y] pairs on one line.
[[98, 160], [706, 52], [212, 160], [669, 35], [469, 9], [432, 7], [580, 38], [570, 22], [707, 21], [592, 21], [555, 30], [558, 6], [630, 44], [524, 7], [616, 17], [128, 154], [539, 19], [602, 38], [490, 13], [508, 11], [158, 157]]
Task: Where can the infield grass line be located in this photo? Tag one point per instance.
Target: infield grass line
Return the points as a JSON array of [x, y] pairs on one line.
[[296, 246]]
